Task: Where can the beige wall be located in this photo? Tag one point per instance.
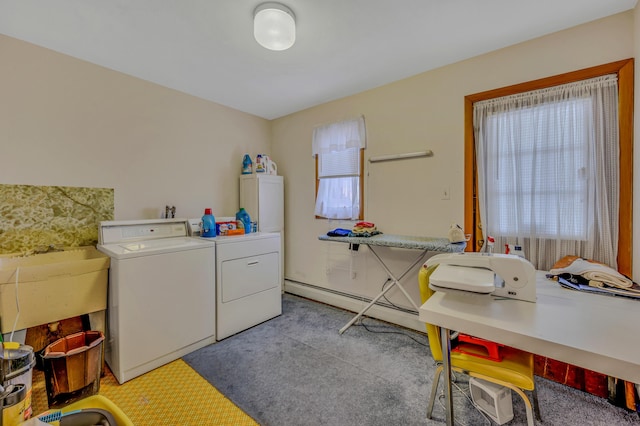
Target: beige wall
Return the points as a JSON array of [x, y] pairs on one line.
[[418, 113], [70, 123]]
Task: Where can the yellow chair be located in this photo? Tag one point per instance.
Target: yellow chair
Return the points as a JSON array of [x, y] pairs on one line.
[[514, 371]]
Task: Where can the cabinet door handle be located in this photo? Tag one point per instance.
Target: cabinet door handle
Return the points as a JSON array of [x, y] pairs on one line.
[[253, 263]]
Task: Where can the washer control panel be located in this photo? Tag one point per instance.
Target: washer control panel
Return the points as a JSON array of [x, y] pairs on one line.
[[138, 230]]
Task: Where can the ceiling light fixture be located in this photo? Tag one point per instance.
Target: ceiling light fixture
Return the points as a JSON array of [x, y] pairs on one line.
[[274, 26]]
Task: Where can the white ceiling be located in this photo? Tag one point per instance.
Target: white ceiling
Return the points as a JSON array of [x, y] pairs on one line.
[[206, 47]]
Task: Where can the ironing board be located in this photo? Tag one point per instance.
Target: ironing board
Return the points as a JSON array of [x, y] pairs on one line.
[[423, 244]]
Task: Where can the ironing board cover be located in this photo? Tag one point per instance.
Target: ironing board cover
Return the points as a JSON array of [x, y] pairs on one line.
[[402, 241]]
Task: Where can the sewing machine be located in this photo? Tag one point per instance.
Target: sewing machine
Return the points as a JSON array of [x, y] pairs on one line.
[[501, 275]]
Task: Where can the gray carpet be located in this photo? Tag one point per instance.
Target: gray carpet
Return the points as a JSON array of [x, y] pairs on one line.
[[297, 369]]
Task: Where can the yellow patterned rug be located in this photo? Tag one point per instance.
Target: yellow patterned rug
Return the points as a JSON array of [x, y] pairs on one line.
[[173, 394]]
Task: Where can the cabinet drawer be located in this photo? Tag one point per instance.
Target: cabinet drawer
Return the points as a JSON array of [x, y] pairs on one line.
[[249, 275]]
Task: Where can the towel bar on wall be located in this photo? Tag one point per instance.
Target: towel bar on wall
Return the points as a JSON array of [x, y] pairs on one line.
[[427, 153]]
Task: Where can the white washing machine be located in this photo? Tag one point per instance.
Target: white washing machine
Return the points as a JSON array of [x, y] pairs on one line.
[[248, 281], [161, 302]]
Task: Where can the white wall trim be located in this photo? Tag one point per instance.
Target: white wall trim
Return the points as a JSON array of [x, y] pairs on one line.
[[355, 304]]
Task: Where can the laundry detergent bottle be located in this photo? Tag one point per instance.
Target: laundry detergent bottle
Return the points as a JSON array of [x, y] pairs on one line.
[[243, 216], [208, 224], [260, 166], [247, 165]]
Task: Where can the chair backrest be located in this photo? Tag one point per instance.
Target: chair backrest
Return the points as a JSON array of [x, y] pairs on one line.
[[425, 293]]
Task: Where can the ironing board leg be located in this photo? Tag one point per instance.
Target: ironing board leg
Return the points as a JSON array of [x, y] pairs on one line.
[[395, 282], [354, 319]]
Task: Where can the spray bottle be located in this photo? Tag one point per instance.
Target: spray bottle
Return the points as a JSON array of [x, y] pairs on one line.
[[490, 242]]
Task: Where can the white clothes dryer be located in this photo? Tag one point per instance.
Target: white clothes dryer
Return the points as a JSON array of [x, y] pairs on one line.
[[161, 297], [249, 278]]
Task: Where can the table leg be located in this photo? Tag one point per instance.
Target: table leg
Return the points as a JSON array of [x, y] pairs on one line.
[[446, 362]]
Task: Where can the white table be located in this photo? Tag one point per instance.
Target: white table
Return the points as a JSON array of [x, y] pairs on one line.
[[424, 244], [592, 331]]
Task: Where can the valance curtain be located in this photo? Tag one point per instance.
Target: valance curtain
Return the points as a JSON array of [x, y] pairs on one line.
[[548, 174], [337, 146]]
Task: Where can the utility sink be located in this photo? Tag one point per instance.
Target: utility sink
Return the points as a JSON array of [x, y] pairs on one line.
[[52, 286]]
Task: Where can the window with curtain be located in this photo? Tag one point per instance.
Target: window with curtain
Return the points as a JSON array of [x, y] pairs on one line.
[[338, 148], [548, 170]]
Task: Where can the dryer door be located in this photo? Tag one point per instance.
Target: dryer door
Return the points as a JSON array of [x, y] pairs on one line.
[[248, 275]]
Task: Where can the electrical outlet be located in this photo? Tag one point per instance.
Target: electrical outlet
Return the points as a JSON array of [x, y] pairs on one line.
[[446, 193]]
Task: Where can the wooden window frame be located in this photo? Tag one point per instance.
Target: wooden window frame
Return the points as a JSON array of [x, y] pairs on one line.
[[360, 184], [625, 71]]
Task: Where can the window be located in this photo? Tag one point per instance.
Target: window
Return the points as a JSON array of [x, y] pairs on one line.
[[539, 208], [338, 148], [548, 170], [549, 180]]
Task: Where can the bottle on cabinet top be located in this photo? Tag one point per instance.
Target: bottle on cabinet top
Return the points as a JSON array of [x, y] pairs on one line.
[[247, 165], [260, 166]]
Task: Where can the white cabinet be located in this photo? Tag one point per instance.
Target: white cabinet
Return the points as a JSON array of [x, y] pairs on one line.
[[262, 196], [249, 277]]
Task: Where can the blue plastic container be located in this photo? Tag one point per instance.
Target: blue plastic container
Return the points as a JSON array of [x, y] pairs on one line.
[[247, 165], [208, 224], [243, 216]]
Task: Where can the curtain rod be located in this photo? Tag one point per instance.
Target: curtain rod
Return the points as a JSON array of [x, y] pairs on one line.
[[427, 153]]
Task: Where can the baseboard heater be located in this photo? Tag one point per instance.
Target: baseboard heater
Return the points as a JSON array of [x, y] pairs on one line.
[[353, 297]]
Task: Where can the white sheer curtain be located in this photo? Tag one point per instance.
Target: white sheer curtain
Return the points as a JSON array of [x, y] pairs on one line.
[[337, 146], [548, 176]]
